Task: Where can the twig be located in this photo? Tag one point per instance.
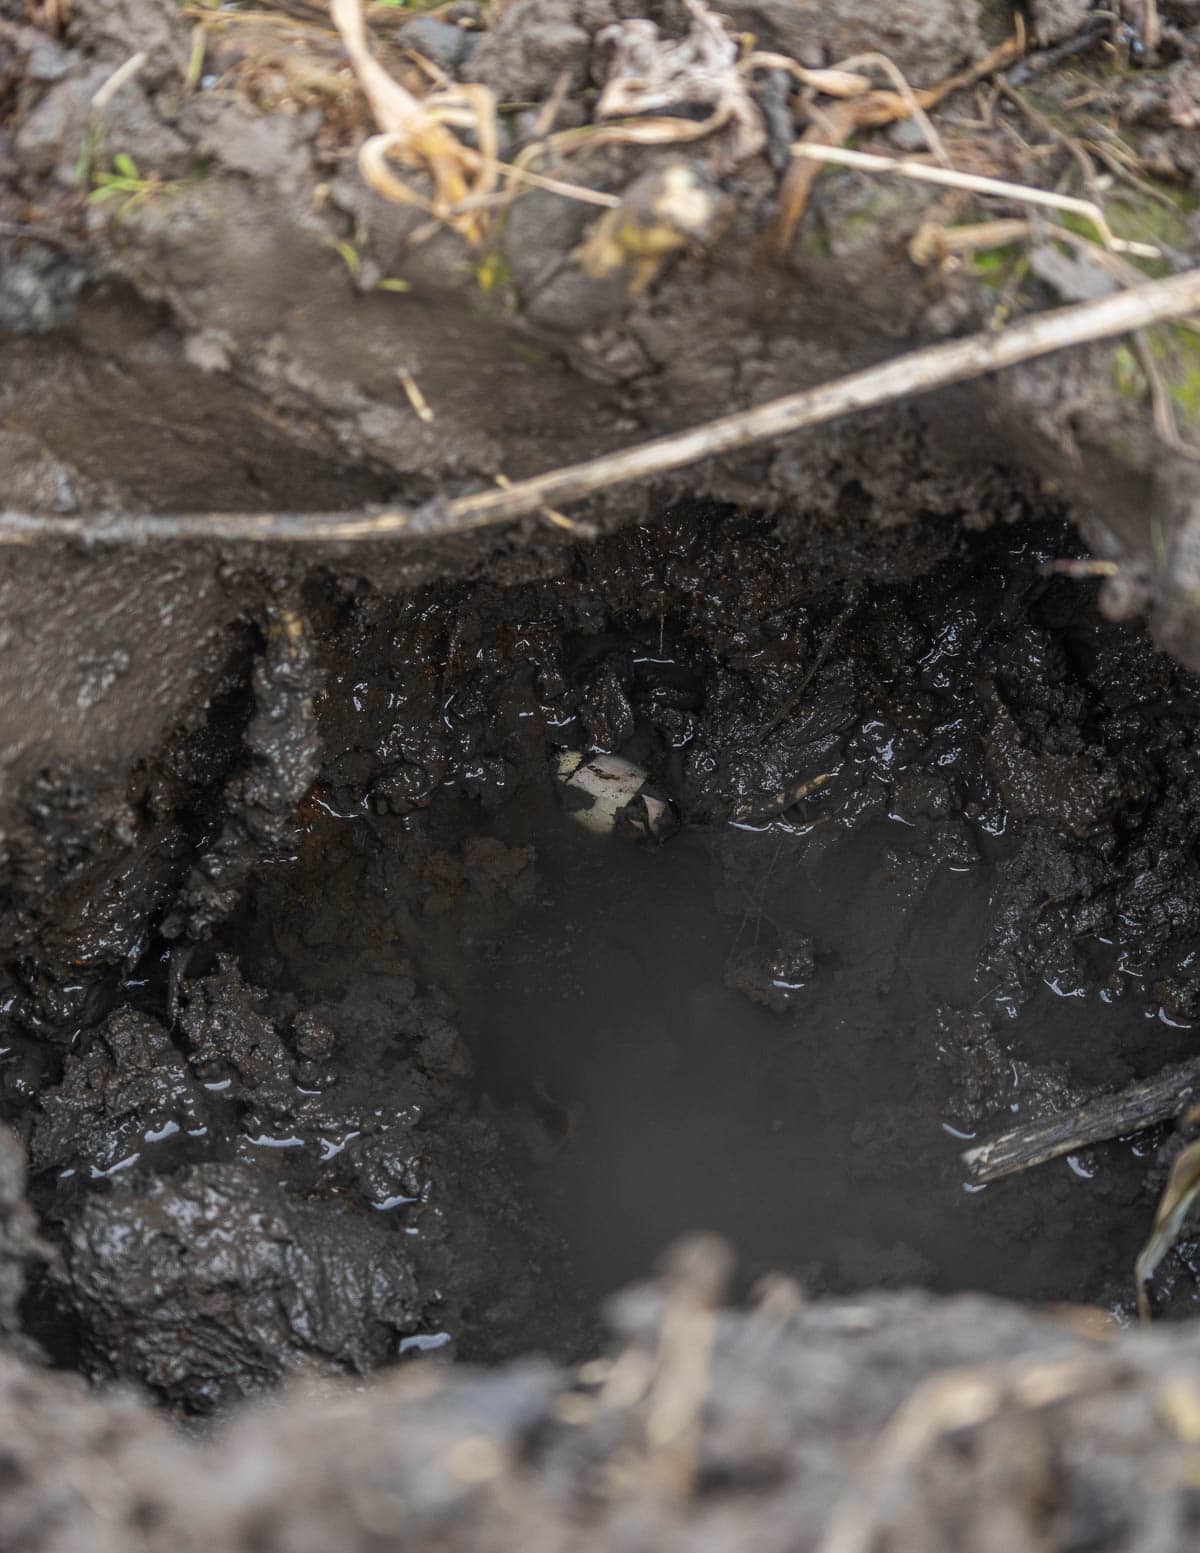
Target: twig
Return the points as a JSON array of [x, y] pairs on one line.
[[517, 174], [1046, 59], [555, 519], [120, 77], [547, 114], [1003, 54], [779, 802], [1100, 1119], [917, 372], [1018, 193], [412, 389], [1174, 1207], [933, 243], [1121, 162]]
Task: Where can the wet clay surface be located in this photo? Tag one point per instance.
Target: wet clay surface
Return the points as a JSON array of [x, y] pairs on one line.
[[268, 1189]]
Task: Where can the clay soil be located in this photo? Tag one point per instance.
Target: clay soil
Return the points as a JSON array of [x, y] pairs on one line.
[[387, 1161]]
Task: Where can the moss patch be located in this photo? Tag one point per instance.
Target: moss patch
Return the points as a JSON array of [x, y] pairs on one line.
[[1128, 378], [1139, 218], [1178, 352]]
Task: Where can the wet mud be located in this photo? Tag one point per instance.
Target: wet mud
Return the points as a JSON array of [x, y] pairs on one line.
[[447, 1068], [869, 942], [352, 1087]]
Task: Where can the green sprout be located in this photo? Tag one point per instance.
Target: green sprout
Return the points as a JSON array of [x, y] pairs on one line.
[[352, 259], [126, 184], [348, 254]]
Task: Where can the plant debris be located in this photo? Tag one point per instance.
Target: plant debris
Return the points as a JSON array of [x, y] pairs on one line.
[[1098, 1120], [1179, 1197], [695, 75]]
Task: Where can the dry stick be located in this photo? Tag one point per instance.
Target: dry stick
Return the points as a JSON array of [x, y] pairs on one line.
[[919, 372], [933, 243], [916, 111], [120, 77], [1098, 1120]]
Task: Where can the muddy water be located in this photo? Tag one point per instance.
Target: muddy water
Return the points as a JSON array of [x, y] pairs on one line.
[[774, 1029], [823, 1137]]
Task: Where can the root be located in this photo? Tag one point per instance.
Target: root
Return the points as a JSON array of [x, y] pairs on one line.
[[947, 1407], [1016, 193], [832, 128]]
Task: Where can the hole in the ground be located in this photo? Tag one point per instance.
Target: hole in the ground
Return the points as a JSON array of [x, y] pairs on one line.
[[900, 854], [912, 900]]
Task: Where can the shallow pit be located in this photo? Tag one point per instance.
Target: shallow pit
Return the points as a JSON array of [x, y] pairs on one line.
[[457, 1067], [785, 1021]]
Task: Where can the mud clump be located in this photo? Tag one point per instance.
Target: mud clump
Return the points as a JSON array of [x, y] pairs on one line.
[[272, 1189], [130, 1080], [772, 976], [21, 1248], [533, 42], [783, 1443], [281, 759], [209, 1285]]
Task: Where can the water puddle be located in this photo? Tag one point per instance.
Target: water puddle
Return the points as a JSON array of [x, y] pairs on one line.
[[770, 1033]]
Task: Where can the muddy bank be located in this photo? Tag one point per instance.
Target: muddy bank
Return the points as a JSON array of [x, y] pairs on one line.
[[260, 251]]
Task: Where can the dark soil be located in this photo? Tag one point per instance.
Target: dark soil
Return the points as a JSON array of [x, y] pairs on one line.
[[965, 921], [335, 1049], [783, 1022]]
